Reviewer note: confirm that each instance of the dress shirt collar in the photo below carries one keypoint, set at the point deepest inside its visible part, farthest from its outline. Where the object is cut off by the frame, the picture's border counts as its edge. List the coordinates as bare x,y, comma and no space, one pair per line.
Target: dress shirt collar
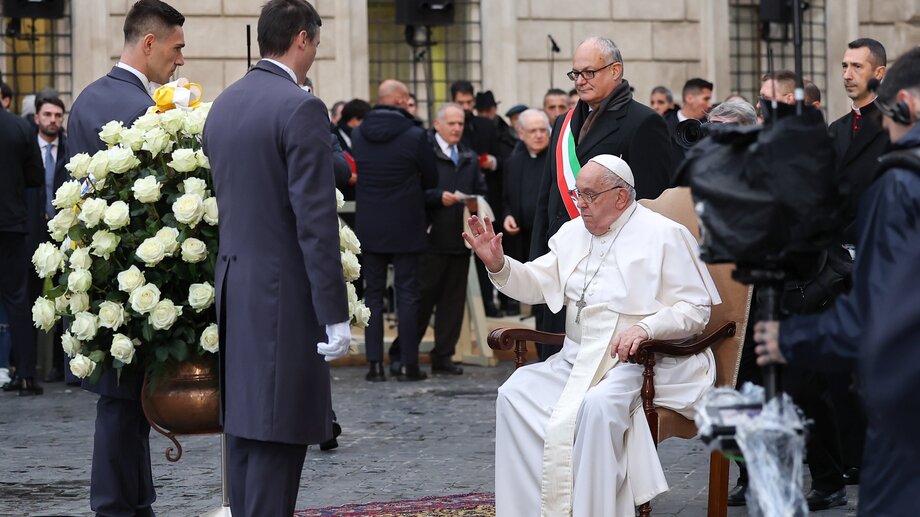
284,67
445,147
149,86
857,108
42,143
680,116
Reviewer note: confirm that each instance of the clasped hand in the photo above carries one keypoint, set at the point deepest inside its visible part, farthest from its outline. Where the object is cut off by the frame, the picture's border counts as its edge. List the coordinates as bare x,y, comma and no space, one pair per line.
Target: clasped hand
626,343
486,244
339,341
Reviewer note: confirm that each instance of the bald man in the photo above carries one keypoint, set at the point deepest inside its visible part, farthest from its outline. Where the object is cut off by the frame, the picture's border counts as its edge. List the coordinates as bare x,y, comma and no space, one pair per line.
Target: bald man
397,166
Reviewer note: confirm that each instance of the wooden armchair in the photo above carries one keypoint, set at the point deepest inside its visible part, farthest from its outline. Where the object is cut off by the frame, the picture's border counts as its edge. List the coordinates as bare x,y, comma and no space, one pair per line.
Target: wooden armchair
724,334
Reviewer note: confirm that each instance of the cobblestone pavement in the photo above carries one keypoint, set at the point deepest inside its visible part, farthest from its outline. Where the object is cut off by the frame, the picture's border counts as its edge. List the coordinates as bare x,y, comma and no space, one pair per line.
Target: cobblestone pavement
401,440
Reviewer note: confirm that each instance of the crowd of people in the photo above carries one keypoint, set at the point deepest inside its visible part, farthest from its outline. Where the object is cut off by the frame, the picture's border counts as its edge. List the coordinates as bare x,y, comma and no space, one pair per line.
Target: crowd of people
543,199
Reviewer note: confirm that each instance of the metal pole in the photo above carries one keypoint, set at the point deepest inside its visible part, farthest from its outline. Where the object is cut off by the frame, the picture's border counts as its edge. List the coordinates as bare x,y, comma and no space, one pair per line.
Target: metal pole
797,46
224,510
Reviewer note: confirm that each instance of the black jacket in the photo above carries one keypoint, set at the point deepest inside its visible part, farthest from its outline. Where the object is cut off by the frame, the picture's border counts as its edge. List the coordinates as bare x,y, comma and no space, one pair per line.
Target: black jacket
857,157
635,133
396,165
37,223
522,186
20,167
444,234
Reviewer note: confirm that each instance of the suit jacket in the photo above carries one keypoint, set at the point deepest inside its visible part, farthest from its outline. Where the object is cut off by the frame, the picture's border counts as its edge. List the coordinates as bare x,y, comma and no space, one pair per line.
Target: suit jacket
20,167
635,133
279,274
444,234
119,95
522,186
396,166
36,198
857,158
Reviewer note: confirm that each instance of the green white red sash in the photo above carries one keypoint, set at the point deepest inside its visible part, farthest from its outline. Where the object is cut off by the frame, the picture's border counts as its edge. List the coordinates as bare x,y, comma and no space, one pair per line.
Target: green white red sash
567,165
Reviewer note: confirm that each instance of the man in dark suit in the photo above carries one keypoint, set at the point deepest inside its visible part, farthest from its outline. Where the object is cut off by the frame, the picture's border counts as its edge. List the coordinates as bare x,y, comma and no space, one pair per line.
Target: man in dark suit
397,166
444,268
522,182
121,482
606,120
20,168
697,97
280,288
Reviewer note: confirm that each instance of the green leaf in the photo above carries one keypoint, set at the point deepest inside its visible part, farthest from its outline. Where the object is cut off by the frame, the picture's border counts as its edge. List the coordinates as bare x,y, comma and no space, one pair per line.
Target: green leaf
76,232
178,350
147,333
96,356
117,364
55,292
162,354
94,377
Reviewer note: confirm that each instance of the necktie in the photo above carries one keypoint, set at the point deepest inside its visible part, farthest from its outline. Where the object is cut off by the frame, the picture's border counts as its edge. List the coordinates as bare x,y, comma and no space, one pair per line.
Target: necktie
49,180
857,122
454,156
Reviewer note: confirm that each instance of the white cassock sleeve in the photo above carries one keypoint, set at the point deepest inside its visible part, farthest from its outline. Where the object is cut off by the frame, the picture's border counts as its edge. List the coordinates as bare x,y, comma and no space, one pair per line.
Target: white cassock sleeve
532,282
686,291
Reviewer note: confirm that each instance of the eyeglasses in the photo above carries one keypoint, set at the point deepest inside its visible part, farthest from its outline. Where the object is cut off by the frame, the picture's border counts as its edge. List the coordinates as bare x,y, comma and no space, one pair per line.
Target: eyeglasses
589,197
587,74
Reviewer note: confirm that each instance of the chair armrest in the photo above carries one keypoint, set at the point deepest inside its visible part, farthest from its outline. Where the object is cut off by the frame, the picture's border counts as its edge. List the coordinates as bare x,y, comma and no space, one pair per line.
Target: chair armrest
684,348
505,338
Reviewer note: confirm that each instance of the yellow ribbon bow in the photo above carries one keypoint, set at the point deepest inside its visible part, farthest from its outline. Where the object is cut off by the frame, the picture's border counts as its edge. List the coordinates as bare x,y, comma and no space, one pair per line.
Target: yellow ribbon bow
177,94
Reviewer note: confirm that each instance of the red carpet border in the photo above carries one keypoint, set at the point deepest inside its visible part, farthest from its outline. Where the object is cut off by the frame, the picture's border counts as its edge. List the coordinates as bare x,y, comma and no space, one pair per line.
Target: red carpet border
460,505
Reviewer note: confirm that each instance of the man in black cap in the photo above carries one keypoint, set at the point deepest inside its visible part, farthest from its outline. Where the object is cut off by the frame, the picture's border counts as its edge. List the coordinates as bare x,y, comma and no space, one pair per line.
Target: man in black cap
513,115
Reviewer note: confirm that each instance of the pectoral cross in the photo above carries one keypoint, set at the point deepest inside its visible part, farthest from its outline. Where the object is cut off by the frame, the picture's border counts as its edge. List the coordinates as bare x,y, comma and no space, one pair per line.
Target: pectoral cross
581,304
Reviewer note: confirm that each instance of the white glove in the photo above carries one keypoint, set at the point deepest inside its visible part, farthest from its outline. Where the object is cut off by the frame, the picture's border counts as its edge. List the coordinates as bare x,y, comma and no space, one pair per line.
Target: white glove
339,340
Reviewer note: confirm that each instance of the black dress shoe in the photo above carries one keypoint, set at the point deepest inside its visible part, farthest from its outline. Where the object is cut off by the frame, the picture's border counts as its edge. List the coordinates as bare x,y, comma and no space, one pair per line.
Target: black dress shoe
395,367
446,368
29,387
375,374
736,496
851,476
55,375
493,312
411,372
13,385
824,499
332,443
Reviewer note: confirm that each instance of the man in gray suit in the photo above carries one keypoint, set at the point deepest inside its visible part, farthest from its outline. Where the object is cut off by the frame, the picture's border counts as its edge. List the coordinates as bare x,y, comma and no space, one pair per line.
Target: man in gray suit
121,482
279,274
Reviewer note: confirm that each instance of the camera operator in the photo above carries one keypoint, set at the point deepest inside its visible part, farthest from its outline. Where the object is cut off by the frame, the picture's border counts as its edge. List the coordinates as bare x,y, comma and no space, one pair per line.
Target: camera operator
874,326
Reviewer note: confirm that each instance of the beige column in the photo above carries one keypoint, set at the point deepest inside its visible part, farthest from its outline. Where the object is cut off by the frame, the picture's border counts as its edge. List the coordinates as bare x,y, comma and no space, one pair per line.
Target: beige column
499,50
714,39
90,43
842,18
351,56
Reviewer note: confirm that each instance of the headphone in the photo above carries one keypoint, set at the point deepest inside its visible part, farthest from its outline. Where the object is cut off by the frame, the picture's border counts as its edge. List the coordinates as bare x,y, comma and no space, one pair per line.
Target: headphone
899,112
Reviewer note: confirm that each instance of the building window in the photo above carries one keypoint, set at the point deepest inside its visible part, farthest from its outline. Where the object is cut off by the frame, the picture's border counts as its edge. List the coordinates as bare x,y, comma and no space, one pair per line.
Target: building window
429,72
748,52
36,54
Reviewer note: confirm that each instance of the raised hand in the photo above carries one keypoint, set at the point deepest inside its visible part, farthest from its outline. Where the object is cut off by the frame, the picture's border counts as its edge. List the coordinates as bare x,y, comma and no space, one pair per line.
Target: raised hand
486,244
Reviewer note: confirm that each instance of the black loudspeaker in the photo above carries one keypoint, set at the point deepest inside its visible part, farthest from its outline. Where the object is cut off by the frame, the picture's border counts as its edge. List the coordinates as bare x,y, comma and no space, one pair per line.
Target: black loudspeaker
776,11
425,12
33,8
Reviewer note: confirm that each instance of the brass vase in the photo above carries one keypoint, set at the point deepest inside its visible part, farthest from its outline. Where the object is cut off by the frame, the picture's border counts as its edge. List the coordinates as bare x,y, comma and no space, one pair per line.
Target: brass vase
185,400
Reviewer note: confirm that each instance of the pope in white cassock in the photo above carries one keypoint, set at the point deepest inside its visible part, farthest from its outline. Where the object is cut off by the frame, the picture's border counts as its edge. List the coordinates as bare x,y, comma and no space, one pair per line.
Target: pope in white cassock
571,436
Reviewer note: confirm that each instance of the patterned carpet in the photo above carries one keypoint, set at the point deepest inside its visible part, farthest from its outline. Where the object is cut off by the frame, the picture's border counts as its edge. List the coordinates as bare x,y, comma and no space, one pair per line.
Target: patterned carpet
460,505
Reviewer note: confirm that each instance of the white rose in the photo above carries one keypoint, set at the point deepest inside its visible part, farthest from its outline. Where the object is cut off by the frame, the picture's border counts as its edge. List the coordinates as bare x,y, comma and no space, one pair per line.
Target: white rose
111,315
79,302
169,236
84,326
156,141
80,258
351,266
172,121
348,240
210,339
194,122
122,348
47,259
117,215
70,344
122,160
79,281
183,160
78,166
61,223
361,315
130,279
195,186
132,138
148,121
147,190
104,243
144,298
194,250
203,160
111,132
99,166
151,251
200,296
67,195
189,209
210,211
339,199
44,314
60,303
82,366
91,211
164,314
351,292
